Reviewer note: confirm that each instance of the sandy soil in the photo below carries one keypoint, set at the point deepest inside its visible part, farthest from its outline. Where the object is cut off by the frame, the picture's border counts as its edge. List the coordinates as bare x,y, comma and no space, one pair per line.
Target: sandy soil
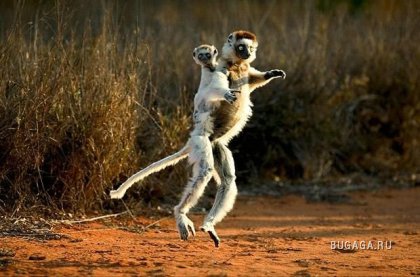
262,236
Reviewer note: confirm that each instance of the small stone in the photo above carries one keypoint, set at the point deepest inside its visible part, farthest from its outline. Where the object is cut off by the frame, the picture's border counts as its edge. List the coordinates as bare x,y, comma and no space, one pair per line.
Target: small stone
37,257
172,245
76,240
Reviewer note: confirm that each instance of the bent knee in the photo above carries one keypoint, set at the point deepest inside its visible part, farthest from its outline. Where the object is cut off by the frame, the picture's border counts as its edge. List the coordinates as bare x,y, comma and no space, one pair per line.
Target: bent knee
230,178
206,167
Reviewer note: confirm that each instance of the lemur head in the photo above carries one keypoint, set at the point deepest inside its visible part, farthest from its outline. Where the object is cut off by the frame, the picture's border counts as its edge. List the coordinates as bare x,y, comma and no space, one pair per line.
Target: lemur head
240,46
205,55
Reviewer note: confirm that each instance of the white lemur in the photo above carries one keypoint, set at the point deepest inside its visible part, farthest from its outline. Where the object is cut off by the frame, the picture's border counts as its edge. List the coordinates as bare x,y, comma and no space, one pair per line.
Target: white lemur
225,120
229,119
214,87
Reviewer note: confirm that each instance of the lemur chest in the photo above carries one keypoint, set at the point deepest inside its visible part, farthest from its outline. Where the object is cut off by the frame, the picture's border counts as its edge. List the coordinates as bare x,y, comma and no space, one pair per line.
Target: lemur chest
238,79
229,115
238,76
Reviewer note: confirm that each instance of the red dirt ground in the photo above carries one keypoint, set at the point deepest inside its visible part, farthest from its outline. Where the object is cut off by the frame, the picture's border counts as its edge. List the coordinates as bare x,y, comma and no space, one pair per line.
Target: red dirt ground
263,236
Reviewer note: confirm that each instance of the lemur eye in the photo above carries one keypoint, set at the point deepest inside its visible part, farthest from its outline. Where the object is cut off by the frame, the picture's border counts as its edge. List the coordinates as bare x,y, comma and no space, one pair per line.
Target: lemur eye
241,47
200,56
208,55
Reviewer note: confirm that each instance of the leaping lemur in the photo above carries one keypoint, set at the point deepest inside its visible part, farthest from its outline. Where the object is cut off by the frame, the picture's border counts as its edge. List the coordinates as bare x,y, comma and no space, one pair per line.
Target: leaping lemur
213,90
229,119
223,120
214,87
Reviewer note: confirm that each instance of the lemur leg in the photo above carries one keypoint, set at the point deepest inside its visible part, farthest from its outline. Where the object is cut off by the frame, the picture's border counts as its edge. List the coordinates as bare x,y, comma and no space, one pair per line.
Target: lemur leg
201,158
226,192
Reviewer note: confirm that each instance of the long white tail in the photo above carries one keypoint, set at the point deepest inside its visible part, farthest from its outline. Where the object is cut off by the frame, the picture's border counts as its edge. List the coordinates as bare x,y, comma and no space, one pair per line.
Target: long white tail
154,167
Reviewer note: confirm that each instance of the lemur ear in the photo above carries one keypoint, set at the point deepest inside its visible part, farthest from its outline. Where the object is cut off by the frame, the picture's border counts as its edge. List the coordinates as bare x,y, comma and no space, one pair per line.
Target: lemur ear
194,53
230,38
215,51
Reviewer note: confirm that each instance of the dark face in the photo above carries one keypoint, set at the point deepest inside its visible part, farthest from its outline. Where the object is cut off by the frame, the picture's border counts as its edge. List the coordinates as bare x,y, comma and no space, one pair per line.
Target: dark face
204,57
242,51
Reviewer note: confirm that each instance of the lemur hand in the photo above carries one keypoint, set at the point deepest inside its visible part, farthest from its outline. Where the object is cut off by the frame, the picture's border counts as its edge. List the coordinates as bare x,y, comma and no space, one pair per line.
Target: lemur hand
275,73
209,228
185,226
230,95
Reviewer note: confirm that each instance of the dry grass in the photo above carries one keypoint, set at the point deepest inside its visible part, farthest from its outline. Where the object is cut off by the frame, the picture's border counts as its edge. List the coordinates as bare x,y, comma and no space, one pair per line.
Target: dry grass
91,92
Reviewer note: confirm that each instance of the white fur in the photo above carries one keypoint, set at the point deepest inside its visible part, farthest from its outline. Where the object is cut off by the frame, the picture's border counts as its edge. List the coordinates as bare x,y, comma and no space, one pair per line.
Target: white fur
201,157
215,89
154,167
224,199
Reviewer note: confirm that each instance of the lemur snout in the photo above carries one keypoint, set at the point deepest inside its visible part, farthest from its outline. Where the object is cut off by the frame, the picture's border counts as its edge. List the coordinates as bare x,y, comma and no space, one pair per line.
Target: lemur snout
245,56
204,57
242,51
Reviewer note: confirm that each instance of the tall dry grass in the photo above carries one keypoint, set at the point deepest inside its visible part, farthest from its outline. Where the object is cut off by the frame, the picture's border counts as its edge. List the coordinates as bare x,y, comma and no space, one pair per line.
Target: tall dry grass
75,111
92,91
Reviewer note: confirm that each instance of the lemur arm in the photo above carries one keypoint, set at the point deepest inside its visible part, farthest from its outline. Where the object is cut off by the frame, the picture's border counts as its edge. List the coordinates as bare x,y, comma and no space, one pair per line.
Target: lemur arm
219,88
258,79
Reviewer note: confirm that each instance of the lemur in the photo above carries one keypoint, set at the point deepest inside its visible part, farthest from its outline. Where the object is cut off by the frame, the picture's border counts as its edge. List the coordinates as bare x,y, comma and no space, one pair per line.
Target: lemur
226,120
229,119
213,90
214,87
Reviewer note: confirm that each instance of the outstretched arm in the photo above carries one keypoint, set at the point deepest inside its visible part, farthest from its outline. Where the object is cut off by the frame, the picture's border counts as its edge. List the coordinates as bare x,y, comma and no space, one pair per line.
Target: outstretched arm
258,78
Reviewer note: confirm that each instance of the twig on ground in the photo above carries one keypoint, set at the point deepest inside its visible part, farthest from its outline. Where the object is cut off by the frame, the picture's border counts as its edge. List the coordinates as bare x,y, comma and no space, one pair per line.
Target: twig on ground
93,218
154,223
128,210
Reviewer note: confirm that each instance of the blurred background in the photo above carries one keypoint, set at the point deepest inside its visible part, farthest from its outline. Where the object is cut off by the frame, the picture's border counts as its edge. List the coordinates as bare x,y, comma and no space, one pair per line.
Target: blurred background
92,91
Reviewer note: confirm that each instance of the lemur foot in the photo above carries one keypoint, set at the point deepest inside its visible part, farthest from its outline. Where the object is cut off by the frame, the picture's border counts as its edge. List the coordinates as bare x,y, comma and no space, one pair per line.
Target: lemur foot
230,95
275,73
185,227
209,228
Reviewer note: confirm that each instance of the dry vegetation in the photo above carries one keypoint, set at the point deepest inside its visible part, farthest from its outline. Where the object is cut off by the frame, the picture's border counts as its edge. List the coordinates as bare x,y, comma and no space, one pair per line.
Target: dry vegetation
92,90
